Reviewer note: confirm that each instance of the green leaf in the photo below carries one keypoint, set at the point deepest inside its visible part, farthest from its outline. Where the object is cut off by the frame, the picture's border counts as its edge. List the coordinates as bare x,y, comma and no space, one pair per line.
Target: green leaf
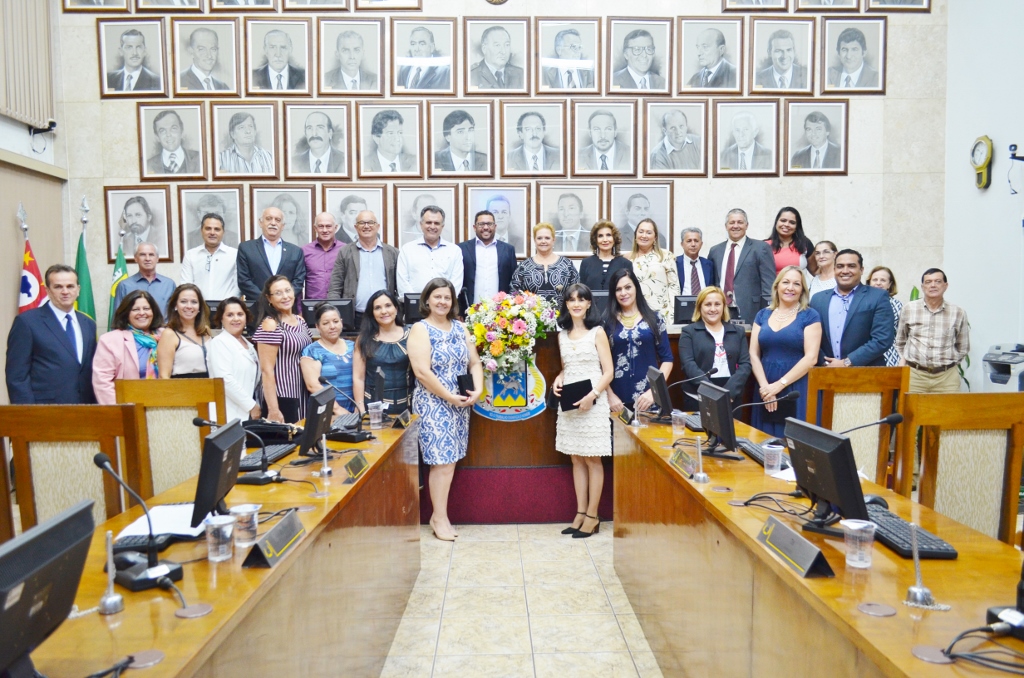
915,294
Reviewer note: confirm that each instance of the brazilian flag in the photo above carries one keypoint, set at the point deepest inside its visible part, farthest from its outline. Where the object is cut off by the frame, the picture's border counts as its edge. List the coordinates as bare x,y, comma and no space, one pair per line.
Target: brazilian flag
120,275
85,304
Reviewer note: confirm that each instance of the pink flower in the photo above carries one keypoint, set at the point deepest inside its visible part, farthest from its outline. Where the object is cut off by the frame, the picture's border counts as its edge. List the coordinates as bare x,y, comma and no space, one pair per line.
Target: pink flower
519,327
491,336
500,296
491,366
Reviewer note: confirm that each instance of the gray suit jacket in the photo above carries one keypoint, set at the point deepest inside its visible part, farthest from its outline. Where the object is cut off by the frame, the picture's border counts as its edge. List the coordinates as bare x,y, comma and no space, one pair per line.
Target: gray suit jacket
406,162
481,76
623,80
753,275
345,274
833,158
766,78
335,79
730,158
724,77
191,83
155,165
432,78
623,160
335,163
516,160
868,77
443,161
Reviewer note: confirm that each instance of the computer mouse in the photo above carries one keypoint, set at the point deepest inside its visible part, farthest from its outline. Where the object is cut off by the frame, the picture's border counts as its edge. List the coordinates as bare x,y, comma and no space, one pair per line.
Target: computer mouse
876,500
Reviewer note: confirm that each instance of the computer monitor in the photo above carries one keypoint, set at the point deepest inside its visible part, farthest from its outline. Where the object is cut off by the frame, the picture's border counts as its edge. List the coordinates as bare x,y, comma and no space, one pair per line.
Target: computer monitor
39,575
734,315
600,302
412,308
319,412
346,308
213,304
716,415
375,382
218,470
685,307
659,389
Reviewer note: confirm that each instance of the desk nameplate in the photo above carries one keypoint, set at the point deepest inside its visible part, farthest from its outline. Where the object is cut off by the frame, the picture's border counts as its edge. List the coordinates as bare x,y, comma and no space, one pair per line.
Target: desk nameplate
278,541
802,556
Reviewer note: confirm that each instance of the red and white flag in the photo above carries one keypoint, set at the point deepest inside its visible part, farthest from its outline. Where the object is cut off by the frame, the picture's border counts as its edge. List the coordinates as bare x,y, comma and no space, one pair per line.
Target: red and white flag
32,294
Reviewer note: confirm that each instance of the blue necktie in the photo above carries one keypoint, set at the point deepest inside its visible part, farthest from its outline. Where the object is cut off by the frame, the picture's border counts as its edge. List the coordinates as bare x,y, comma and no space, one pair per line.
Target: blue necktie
70,330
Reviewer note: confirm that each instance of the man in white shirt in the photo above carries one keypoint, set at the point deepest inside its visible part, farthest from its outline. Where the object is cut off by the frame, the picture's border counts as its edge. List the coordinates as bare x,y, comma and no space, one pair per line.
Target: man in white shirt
820,152
533,154
350,74
388,155
204,48
784,72
853,72
715,70
569,49
459,130
487,263
695,272
212,266
428,257
745,153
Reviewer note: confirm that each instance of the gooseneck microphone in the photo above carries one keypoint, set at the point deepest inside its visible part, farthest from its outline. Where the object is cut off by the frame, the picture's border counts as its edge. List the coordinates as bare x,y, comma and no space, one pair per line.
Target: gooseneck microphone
712,371
891,420
357,436
792,395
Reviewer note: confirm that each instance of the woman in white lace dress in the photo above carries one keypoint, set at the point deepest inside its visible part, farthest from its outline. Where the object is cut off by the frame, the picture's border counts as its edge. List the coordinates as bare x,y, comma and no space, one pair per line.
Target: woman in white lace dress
655,268
582,433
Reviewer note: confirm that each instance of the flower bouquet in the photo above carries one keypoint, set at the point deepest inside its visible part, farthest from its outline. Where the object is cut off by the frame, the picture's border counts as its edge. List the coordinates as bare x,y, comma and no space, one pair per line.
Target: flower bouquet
507,327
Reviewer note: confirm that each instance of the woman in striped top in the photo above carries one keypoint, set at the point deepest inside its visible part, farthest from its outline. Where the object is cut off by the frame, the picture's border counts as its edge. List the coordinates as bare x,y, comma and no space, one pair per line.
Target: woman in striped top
280,339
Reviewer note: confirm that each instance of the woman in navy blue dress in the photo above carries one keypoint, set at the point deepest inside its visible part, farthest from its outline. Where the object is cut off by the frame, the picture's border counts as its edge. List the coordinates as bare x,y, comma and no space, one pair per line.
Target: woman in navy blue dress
784,345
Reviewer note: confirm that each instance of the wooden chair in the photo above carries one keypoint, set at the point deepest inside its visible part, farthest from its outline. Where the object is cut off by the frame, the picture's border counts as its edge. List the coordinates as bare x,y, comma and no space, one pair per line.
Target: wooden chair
971,450
853,396
174,444
53,449
6,511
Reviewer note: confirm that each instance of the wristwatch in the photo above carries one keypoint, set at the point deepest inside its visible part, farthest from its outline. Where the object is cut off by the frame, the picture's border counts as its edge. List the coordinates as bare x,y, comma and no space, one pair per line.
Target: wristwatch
846,362
784,382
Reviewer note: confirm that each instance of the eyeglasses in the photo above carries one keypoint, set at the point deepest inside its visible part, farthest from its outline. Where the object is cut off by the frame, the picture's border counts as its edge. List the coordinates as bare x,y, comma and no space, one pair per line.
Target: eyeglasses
366,223
573,48
637,51
484,223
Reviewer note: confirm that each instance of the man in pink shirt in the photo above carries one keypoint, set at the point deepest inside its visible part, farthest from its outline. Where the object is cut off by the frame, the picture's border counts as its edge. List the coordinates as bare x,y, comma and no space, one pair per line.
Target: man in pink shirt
320,255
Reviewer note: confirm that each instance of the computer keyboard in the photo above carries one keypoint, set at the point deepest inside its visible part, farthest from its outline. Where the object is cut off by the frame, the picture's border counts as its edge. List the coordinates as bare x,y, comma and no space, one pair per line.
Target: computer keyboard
693,423
254,460
756,452
894,533
346,422
140,542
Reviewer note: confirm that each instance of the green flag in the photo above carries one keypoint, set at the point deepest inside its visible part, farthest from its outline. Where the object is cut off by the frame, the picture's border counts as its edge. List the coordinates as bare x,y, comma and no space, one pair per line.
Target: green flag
120,275
85,304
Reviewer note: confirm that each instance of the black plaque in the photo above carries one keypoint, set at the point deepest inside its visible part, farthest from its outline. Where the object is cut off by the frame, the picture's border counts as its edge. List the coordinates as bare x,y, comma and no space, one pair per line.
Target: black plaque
277,542
801,555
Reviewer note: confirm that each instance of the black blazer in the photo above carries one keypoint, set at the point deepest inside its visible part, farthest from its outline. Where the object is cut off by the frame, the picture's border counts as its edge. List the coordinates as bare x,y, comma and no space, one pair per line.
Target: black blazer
42,367
254,268
697,355
592,271
506,267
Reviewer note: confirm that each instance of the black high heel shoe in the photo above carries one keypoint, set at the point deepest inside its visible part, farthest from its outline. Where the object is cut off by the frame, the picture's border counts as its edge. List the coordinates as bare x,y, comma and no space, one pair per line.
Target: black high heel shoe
571,529
580,534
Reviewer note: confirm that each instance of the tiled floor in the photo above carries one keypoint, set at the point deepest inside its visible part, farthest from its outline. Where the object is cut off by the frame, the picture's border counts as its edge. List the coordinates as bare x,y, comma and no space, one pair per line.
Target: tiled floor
519,600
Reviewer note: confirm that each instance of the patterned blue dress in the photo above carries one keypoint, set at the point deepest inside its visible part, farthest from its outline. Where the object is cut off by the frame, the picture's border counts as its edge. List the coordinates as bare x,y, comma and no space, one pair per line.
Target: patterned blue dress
444,429
336,369
780,351
633,351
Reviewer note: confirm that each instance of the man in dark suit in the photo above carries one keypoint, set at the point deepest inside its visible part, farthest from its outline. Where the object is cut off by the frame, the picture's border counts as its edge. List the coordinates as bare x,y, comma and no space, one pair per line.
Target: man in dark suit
487,263
820,151
173,158
857,326
568,46
745,153
494,71
350,75
784,73
269,255
604,153
133,76
421,46
50,348
715,71
533,154
319,155
459,130
852,48
278,73
638,51
388,155
203,47
695,272
745,267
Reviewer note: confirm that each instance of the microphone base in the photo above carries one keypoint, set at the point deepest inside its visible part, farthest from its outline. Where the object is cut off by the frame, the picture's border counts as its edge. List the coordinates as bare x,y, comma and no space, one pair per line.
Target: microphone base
141,577
256,478
349,436
992,616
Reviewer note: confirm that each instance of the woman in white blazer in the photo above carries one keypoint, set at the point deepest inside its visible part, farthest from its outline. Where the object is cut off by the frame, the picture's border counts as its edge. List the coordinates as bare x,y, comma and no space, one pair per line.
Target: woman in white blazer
232,357
128,351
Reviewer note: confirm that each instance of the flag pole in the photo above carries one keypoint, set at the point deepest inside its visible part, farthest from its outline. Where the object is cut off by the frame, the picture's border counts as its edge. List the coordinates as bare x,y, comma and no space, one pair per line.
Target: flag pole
22,218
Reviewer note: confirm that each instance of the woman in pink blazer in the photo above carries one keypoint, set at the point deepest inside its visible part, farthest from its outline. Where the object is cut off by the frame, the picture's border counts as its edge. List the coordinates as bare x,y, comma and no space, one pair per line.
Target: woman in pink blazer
128,350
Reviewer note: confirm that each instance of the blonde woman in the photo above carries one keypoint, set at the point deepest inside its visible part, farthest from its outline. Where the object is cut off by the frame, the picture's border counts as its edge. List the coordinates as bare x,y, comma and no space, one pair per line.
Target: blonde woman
546,274
655,268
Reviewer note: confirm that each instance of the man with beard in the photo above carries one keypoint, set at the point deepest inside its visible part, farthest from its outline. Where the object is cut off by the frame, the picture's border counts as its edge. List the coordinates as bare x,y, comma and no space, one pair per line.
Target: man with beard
137,223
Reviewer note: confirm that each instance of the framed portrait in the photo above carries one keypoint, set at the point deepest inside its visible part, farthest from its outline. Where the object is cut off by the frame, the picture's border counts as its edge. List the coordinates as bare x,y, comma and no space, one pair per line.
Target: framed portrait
278,57
172,141
676,141
497,55
132,58
755,5
410,199
389,139
817,136
423,56
827,5
222,199
605,137
346,201
853,55
245,140
316,5
460,138
351,57
630,202
390,5
568,58
746,137
165,6
244,5
533,138
898,5
510,204
296,203
781,55
205,61
639,55
573,208
95,6
710,55
316,137
137,214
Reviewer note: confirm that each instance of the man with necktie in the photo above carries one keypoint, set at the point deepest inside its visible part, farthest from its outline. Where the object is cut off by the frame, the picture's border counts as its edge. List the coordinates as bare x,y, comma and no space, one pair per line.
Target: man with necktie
638,51
571,75
133,76
459,131
277,73
853,72
317,153
350,74
416,77
204,48
745,267
605,153
532,154
820,151
745,153
784,71
388,155
715,70
172,157
494,71
695,272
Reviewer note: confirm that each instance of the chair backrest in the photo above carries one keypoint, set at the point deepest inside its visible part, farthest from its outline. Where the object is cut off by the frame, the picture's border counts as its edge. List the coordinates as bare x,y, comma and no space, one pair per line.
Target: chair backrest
175,445
853,396
53,466
6,512
971,450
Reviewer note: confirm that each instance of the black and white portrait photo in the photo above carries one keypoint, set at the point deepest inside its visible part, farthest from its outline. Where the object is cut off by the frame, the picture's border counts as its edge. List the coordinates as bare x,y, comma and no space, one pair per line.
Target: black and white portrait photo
510,204
95,5
782,55
278,57
345,202
756,5
172,141
244,5
376,5
410,199
746,142
244,140
195,203
317,5
460,139
163,6
423,56
533,136
676,138
639,55
351,57
136,215
390,140
853,56
295,203
497,55
816,136
710,54
205,61
827,5
569,51
629,203
317,140
605,137
573,209
898,5
132,58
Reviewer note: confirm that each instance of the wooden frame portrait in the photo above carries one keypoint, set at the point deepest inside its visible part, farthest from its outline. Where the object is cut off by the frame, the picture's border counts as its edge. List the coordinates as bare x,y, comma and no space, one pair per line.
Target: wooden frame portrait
410,199
568,46
235,6
493,46
861,56
172,141
278,57
317,135
510,204
781,55
131,54
205,49
423,56
677,136
316,5
222,199
470,131
898,5
755,5
138,211
400,131
168,6
817,136
89,6
390,5
605,127
820,6
710,55
533,127
255,124
572,207
351,50
746,137
644,73
296,202
630,202
346,201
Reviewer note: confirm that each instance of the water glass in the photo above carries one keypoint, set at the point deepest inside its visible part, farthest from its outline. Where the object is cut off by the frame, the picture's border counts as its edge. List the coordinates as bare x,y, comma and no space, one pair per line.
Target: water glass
859,536
218,538
678,424
246,521
376,411
772,458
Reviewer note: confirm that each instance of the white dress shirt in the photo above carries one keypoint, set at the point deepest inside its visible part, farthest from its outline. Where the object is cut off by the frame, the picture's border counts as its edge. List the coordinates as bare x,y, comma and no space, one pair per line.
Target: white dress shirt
854,77
273,251
687,267
385,164
176,156
215,274
274,75
745,157
238,366
203,77
486,285
457,162
62,321
418,264
609,158
530,155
